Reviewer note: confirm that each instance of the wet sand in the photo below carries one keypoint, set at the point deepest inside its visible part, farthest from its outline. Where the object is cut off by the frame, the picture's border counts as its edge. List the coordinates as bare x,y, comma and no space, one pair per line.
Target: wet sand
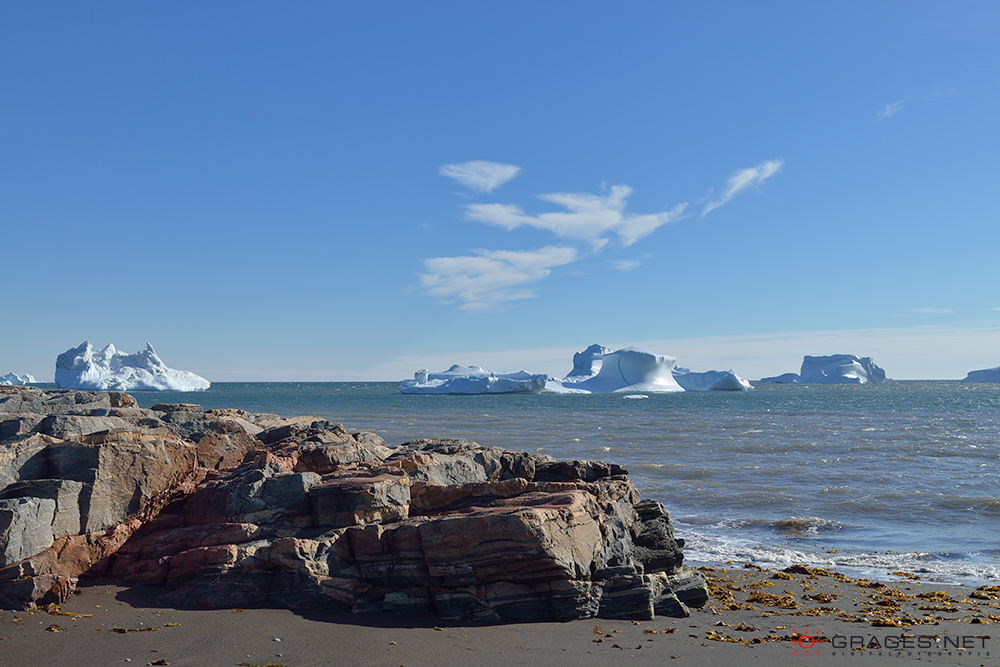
754,617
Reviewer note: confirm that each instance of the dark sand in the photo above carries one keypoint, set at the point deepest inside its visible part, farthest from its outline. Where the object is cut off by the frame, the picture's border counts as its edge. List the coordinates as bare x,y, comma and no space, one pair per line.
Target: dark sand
739,626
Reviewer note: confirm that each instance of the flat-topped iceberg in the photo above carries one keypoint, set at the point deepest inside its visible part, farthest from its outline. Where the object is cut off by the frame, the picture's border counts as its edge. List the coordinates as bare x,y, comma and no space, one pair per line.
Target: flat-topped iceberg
784,378
628,369
710,380
985,375
13,378
596,370
833,369
108,369
472,380
590,362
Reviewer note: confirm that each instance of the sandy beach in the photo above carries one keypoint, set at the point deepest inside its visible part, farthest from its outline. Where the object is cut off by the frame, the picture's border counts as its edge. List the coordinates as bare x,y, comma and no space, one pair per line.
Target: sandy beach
754,617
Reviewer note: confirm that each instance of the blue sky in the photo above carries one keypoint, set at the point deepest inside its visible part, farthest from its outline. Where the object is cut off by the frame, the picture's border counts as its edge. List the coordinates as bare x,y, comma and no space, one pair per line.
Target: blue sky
355,190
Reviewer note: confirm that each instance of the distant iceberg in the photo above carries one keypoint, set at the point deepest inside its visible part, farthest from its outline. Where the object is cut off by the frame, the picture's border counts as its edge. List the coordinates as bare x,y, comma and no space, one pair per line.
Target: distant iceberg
472,380
985,375
13,378
833,369
596,370
710,380
784,378
628,369
107,369
590,362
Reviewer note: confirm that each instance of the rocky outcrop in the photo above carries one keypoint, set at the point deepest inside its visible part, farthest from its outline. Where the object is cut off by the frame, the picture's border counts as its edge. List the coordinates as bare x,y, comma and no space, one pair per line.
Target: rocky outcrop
98,466
227,508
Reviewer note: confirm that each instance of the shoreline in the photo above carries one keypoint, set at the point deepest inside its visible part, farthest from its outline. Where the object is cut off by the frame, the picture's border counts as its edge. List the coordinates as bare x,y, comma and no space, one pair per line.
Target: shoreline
754,615
799,611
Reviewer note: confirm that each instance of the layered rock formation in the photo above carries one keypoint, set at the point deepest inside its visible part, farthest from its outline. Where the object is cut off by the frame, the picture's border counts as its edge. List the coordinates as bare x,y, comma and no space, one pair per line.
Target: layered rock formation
226,508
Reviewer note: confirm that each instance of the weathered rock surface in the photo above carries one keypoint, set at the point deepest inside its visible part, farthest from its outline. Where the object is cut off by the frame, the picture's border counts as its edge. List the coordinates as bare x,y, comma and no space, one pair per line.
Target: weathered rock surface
25,527
225,508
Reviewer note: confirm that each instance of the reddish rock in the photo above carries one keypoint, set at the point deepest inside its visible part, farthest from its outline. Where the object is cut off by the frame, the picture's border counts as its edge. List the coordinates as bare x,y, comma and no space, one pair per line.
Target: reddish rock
227,508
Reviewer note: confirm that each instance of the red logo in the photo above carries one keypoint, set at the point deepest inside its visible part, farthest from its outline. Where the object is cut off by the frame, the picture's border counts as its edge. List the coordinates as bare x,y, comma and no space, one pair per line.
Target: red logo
806,642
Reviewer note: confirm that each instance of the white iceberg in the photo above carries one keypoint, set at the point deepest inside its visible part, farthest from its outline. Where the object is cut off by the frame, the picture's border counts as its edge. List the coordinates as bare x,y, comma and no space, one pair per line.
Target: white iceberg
13,378
985,375
710,380
108,369
587,363
784,378
629,369
833,369
472,380
596,370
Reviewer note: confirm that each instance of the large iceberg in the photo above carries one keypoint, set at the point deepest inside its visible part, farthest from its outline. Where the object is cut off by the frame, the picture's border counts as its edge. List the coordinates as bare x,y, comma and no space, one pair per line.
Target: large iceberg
628,369
833,369
596,370
590,362
472,380
13,378
985,375
108,369
710,380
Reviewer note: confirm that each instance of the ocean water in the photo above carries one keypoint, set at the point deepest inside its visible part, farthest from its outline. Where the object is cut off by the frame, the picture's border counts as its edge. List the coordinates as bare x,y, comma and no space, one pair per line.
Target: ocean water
867,479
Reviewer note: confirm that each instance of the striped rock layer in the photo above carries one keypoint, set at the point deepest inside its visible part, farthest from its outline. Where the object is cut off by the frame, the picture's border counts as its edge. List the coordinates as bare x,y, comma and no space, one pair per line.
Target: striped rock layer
225,508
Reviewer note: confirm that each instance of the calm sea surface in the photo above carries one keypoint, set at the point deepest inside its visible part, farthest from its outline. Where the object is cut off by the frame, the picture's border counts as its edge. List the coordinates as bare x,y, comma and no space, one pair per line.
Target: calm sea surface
867,479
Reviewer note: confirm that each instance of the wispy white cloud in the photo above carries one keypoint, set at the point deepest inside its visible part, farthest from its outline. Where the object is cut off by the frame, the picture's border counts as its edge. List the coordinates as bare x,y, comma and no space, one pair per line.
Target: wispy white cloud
890,110
938,93
480,175
587,217
491,277
742,180
933,311
625,264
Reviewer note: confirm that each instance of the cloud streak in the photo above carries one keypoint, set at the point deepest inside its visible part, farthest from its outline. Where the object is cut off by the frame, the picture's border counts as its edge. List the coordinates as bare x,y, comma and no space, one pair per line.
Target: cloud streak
480,175
587,217
624,265
491,277
742,180
590,222
890,110
933,311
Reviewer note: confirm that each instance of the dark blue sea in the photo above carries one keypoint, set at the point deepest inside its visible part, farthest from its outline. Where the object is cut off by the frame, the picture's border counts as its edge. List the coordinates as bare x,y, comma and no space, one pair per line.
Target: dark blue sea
867,479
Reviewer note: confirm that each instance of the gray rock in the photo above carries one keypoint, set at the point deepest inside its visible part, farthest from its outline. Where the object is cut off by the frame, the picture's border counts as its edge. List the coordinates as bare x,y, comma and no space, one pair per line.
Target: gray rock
125,473
448,461
25,527
689,587
25,458
653,537
255,495
18,425
360,499
65,493
70,426
569,471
